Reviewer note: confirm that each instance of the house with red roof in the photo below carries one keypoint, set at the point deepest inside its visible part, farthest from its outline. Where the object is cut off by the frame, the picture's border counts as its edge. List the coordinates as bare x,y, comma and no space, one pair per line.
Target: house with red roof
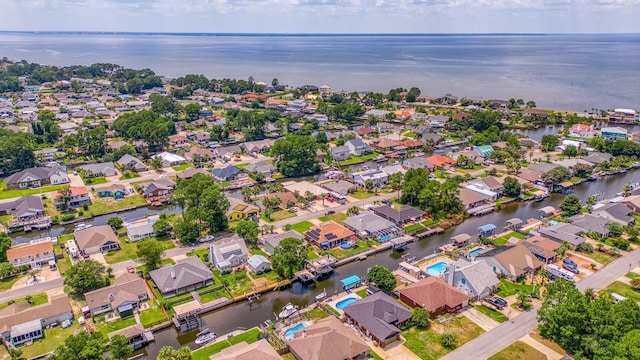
441,161
435,296
78,196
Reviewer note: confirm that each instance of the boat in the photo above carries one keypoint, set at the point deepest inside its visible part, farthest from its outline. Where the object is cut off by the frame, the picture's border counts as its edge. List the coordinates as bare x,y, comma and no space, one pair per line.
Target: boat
322,295
287,311
379,158
81,226
205,337
362,257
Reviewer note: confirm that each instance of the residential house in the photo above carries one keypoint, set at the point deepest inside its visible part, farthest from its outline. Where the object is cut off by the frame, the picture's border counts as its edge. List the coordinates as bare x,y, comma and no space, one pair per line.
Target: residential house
441,161
169,159
125,295
116,191
185,275
36,177
228,254
471,199
79,196
378,177
329,234
480,189
358,147
484,150
99,169
240,210
131,162
199,154
379,317
260,349
261,167
97,239
418,163
368,225
258,264
34,255
489,183
157,191
229,173
23,210
270,242
476,278
136,335
513,262
435,296
564,233
386,127
141,229
404,215
178,141
597,157
438,121
328,339
615,212
20,322
191,172
364,131
258,146
384,144
582,131
228,152
377,113
613,133
340,153
590,223
391,170
543,248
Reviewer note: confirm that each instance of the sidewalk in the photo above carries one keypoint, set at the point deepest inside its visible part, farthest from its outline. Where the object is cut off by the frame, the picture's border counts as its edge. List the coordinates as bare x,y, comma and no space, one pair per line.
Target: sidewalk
486,323
549,353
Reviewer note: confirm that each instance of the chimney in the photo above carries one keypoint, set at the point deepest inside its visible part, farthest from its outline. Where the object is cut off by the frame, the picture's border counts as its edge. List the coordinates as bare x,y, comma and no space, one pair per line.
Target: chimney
111,298
304,334
173,274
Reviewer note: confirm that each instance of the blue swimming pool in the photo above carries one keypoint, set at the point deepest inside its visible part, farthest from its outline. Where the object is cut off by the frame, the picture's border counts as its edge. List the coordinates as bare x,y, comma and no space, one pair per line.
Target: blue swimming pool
475,252
345,245
437,268
290,333
385,237
344,302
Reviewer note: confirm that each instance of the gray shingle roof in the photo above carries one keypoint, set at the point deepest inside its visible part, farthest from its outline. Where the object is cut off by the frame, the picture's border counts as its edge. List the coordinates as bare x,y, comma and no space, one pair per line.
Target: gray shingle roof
184,273
378,313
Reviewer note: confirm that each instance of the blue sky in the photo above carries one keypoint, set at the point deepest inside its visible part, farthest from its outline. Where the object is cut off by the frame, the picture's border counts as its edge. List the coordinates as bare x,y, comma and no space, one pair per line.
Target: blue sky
324,16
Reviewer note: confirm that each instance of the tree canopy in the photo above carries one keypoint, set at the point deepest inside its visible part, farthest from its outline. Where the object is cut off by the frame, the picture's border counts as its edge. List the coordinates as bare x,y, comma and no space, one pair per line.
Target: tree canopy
571,205
438,199
295,155
82,346
147,126
382,277
85,276
248,230
149,251
512,187
203,201
289,257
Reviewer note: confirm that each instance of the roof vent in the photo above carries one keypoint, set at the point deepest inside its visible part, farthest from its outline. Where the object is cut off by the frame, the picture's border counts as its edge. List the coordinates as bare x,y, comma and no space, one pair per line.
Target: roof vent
173,274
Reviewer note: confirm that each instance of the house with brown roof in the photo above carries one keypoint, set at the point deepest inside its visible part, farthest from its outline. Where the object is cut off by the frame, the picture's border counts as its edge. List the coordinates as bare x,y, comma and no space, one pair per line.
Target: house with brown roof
34,255
543,248
385,144
260,349
364,131
197,153
126,294
178,140
471,199
435,296
97,239
329,234
328,339
441,161
513,262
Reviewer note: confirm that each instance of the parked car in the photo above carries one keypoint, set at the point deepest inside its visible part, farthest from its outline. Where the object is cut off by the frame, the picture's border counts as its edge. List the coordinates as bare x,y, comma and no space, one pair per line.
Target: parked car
131,269
330,212
497,302
569,262
293,209
207,239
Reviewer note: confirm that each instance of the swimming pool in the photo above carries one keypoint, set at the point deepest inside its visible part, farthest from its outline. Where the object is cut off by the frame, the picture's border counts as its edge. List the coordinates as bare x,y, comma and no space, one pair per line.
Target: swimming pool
437,268
290,333
475,252
346,301
385,237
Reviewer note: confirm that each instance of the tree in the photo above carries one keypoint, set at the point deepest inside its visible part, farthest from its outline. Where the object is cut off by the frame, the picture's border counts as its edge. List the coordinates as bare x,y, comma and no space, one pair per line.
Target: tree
556,175
353,210
448,341
635,283
5,244
85,276
119,348
274,82
524,300
615,229
289,257
115,222
156,163
421,317
186,231
571,205
531,104
203,201
295,155
82,346
192,111
382,277
149,251
248,230
7,270
570,151
15,353
169,353
512,187
582,170
161,227
548,142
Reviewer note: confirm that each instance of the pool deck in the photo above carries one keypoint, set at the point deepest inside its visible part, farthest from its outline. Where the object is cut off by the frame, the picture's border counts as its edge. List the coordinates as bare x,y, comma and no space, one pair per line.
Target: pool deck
434,260
283,333
337,299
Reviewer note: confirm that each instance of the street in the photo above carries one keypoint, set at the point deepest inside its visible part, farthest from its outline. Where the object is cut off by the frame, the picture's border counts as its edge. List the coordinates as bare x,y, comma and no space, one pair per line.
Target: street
30,290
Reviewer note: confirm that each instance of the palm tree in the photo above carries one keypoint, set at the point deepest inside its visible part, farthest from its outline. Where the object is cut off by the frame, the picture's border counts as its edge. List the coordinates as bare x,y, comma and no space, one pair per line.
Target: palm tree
323,196
626,190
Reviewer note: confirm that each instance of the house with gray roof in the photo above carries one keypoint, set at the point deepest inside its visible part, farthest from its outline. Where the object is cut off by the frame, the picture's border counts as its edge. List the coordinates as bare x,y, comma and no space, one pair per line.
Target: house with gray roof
542,167
418,163
617,212
476,279
358,147
229,173
258,264
590,223
564,232
513,262
186,275
262,167
368,225
270,242
228,254
341,187
340,153
24,209
126,293
131,162
597,157
399,217
36,177
99,169
97,239
379,316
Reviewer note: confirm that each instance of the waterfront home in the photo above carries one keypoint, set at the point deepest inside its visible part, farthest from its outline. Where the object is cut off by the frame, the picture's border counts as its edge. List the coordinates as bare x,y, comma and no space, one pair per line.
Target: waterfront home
20,322
442,162
597,157
404,215
393,169
472,199
271,241
615,212
156,191
613,133
564,233
489,183
358,147
169,159
418,163
228,254
329,234
483,150
116,191
240,210
340,153
435,296
99,169
475,278
97,239
589,223
384,144
480,189
328,339
23,209
342,188
513,262
136,335
34,255
130,162
37,177
260,349
632,202
543,248
303,186
79,196
229,173
378,177
141,229
368,225
261,167
438,121
379,317
186,275
582,131
125,295
258,264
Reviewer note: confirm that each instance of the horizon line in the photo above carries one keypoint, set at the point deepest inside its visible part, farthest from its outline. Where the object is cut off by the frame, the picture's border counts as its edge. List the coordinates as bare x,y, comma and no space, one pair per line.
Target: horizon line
187,33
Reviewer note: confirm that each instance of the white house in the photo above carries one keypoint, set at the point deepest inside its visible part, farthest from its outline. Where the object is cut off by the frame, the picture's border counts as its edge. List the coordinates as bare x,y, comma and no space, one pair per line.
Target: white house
358,147
170,159
141,229
378,177
229,254
258,263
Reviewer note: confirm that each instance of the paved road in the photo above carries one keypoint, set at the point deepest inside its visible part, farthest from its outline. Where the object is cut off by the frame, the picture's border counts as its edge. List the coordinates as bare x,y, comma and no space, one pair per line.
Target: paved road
30,290
495,340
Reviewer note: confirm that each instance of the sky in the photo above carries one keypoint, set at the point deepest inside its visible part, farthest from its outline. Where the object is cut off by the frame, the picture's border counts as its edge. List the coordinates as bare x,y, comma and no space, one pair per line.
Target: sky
324,16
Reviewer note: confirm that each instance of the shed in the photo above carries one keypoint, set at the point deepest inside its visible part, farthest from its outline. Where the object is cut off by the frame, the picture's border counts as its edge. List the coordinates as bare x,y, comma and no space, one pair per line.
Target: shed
461,239
547,211
350,282
487,229
514,223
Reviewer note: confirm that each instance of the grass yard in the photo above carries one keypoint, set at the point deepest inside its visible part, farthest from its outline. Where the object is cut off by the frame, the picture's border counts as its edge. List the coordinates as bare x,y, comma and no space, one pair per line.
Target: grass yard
426,343
358,159
36,299
495,315
507,288
340,253
302,227
414,228
163,262
333,310
311,255
8,194
7,284
152,316
622,289
241,166
182,167
429,222
316,314
278,215
546,342
129,175
107,327
519,351
361,194
52,338
374,356
237,283
505,238
199,253
362,293
254,250
213,295
337,217
249,336
105,205
128,251
632,275
94,180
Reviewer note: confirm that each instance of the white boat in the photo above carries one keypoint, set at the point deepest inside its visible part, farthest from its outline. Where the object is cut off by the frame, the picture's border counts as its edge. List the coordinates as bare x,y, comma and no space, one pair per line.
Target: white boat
322,295
287,311
206,337
82,226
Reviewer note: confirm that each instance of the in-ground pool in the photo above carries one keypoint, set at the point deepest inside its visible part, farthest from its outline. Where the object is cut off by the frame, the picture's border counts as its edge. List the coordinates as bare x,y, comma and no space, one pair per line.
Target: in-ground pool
385,237
346,301
475,252
437,268
290,333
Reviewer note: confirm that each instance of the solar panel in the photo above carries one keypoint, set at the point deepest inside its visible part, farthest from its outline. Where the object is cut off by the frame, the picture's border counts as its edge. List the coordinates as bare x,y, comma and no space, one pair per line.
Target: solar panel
330,236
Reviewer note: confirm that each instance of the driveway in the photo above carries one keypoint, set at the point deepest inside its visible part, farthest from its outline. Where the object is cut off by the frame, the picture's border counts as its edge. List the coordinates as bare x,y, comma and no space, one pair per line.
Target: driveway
486,323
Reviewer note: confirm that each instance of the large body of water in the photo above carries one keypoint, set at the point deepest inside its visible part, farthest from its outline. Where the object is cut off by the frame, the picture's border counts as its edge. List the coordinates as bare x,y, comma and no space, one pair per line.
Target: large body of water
569,72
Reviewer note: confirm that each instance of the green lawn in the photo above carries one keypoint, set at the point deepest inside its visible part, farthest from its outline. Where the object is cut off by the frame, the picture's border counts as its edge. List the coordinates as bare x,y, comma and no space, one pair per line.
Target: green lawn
507,288
213,295
143,268
128,250
278,215
8,194
107,327
53,337
337,217
622,289
361,194
7,284
311,255
199,253
414,228
428,222
519,351
241,166
105,205
505,238
302,227
632,275
36,299
249,336
362,293
600,257
374,356
181,167
129,175
426,343
94,180
333,310
316,314
340,253
152,316
65,238
238,283
358,159
495,315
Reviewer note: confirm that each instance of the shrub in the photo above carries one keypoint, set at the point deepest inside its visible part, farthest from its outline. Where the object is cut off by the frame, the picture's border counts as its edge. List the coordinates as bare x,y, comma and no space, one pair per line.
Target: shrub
68,217
85,207
635,283
621,244
448,341
585,247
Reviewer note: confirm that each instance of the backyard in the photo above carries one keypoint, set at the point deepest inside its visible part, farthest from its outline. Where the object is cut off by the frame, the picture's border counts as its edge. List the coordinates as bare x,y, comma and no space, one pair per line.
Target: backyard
519,351
358,159
128,250
53,337
426,343
36,299
249,336
505,238
302,227
8,194
508,288
106,205
89,181
238,283
152,316
340,253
